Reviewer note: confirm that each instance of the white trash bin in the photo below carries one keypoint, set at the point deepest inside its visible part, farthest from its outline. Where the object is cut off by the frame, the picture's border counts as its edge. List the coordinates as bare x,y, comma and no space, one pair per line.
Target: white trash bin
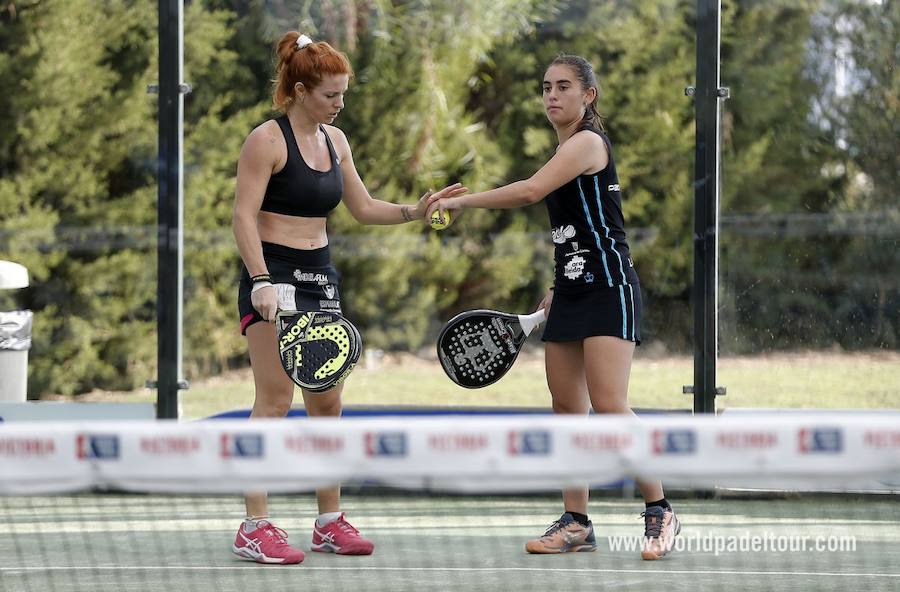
15,337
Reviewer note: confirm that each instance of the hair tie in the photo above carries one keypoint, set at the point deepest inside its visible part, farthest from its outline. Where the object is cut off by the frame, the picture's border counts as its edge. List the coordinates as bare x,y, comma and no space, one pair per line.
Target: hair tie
303,41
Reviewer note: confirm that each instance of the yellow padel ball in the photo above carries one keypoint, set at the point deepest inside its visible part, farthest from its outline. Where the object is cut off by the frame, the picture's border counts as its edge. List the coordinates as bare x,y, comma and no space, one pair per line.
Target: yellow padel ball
436,220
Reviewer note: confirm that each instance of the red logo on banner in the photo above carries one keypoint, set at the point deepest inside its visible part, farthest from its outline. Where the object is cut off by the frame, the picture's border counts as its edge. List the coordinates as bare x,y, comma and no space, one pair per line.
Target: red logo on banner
170,445
27,447
882,439
452,442
594,442
747,440
314,443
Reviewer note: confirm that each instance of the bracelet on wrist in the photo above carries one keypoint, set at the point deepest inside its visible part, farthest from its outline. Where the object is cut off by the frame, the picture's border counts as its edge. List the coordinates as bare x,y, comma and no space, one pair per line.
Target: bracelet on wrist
404,211
263,277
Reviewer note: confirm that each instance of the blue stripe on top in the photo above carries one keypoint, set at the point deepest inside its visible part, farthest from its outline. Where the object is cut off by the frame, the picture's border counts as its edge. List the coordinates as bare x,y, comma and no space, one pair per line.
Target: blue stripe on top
590,221
612,241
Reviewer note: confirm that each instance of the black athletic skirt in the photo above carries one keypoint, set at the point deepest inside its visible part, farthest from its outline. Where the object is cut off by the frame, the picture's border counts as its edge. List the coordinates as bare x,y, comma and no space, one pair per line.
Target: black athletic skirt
614,311
304,280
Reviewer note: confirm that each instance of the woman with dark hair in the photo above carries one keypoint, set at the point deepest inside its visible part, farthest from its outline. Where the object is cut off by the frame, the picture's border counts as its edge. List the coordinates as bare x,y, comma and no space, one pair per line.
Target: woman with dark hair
594,307
292,172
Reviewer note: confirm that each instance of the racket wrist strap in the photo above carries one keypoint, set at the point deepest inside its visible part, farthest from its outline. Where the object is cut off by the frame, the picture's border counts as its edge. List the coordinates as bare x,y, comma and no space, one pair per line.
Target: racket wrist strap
259,285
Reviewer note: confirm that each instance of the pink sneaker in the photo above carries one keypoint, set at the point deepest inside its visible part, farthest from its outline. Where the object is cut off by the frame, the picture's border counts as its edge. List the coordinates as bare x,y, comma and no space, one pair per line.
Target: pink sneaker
341,537
266,544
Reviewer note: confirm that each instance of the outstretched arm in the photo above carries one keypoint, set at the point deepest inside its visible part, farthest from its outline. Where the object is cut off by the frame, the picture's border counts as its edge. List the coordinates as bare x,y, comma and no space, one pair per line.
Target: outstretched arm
582,153
369,210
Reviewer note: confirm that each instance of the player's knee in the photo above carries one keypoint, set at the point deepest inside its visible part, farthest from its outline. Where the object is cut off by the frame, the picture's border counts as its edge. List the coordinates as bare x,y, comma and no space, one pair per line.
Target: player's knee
566,407
612,405
323,407
273,404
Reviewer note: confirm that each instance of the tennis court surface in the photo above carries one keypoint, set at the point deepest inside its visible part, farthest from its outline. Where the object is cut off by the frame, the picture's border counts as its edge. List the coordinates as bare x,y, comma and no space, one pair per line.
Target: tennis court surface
430,542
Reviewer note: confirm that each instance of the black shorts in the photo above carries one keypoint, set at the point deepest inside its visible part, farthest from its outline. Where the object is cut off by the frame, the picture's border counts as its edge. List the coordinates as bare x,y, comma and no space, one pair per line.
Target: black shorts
304,280
614,311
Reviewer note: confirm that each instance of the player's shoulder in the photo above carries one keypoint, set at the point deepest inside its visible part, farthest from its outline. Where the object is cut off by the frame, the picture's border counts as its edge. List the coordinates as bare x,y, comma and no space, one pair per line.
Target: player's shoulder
586,139
591,135
267,132
265,142
338,139
335,133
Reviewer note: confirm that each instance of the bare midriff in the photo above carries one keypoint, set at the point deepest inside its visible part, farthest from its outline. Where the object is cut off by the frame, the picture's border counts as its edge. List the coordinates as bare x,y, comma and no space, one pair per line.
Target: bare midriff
295,232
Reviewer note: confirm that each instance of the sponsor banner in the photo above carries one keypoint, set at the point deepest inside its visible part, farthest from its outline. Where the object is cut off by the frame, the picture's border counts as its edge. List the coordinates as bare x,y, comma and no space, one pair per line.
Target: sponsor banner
512,453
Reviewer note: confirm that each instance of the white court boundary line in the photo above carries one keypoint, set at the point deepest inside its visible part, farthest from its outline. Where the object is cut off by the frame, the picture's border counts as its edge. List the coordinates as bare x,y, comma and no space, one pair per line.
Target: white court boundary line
462,569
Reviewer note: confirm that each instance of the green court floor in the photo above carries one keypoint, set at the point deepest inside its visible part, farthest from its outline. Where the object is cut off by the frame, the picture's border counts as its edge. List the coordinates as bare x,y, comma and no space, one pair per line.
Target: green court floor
443,543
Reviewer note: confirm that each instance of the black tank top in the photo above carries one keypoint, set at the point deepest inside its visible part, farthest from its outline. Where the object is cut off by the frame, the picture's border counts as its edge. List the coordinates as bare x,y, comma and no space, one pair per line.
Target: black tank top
588,231
297,189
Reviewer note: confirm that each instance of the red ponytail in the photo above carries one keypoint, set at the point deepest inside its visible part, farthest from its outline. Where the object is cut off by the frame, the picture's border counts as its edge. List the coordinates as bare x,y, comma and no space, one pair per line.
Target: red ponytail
307,65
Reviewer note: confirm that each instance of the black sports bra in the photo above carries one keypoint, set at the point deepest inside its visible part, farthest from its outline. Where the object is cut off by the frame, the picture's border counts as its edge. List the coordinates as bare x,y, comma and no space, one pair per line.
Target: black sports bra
297,189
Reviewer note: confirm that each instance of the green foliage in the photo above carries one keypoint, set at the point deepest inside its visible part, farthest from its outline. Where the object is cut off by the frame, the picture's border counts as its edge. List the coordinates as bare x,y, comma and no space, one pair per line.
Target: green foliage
810,131
449,91
80,130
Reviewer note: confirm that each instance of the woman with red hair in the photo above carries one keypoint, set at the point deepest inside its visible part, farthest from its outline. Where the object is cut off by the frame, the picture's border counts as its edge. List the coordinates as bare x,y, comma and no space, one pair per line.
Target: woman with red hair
292,172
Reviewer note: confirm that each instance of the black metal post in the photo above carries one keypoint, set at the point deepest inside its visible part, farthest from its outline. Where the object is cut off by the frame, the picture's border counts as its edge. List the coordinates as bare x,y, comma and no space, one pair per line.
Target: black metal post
169,210
706,205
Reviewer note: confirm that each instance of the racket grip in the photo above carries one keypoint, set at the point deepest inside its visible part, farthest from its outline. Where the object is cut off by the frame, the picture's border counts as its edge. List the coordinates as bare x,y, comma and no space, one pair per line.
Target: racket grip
529,322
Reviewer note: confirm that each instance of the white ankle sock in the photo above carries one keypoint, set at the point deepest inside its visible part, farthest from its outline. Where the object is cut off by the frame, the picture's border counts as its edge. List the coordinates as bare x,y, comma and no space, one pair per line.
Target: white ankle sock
251,523
327,517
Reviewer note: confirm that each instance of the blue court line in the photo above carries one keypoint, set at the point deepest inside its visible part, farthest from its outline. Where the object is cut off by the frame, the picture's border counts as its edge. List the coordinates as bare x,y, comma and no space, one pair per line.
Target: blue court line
399,411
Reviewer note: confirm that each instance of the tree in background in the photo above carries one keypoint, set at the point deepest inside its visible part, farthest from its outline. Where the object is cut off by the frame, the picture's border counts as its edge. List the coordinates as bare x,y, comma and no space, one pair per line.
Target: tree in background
78,144
448,91
78,193
804,235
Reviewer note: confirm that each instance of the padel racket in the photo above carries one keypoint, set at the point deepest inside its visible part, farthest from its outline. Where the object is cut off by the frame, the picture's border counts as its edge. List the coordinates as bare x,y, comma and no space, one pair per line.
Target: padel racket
476,348
318,350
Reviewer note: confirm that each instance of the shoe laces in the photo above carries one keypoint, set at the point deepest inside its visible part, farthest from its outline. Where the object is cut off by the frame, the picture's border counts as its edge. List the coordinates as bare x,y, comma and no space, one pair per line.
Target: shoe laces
556,527
346,526
553,528
274,533
653,521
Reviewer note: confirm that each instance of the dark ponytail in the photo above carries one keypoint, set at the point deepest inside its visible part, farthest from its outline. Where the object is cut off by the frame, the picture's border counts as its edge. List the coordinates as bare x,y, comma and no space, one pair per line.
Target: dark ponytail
584,71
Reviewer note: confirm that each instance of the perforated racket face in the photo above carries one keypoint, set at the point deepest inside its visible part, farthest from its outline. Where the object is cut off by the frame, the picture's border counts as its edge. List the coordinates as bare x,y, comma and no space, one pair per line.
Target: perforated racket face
477,348
318,349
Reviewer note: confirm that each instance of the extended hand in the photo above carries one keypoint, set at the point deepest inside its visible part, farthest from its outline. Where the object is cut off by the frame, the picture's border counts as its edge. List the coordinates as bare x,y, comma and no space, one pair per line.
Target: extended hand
443,199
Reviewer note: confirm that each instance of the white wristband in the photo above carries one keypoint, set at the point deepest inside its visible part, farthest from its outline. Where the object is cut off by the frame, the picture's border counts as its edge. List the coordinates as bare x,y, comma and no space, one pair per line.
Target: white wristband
260,286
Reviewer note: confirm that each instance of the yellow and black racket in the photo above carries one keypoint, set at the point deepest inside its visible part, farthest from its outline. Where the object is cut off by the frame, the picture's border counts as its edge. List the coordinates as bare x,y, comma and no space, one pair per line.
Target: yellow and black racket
318,350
